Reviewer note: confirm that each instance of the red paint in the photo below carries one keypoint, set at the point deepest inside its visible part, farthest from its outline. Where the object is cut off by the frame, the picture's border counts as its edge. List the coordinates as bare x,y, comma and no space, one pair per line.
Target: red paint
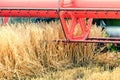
76,10
5,20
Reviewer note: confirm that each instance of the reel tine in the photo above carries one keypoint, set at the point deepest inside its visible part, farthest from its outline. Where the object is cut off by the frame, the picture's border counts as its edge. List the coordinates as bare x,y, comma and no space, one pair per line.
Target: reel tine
76,43
85,43
5,20
105,44
115,44
96,44
65,42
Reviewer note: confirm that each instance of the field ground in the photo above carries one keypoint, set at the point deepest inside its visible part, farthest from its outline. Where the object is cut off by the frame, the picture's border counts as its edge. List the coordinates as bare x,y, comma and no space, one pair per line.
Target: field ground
28,53
82,73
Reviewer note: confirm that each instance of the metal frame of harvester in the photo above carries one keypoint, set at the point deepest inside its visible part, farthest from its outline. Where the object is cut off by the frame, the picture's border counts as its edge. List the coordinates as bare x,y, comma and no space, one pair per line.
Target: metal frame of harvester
76,10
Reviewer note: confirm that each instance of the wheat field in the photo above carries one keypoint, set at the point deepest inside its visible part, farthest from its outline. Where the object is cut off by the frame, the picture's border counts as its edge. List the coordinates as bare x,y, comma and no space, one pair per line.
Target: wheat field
28,52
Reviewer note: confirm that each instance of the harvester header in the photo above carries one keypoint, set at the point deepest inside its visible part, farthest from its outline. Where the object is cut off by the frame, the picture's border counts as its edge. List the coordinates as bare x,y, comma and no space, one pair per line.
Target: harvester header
50,8
76,10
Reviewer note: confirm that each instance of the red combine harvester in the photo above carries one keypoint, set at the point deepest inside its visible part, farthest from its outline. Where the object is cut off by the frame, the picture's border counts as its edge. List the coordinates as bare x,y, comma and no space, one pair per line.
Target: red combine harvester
76,10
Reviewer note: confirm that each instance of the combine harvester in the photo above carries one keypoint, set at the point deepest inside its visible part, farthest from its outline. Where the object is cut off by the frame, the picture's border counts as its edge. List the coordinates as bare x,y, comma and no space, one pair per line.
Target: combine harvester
75,10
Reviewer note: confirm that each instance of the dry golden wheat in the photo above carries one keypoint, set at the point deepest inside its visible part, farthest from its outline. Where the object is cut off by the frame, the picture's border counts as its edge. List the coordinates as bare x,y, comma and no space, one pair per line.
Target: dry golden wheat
27,50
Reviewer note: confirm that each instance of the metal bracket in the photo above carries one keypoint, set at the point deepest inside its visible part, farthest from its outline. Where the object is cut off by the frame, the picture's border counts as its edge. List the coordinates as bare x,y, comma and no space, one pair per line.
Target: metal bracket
69,30
5,20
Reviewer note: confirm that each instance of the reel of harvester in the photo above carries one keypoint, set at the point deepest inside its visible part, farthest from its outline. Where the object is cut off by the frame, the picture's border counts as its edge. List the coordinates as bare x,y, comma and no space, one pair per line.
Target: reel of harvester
75,10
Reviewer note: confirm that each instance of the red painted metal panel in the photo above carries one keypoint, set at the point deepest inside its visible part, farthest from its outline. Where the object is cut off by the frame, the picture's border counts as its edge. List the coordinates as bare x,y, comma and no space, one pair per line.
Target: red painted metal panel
103,5
54,13
28,3
54,3
29,13
97,3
